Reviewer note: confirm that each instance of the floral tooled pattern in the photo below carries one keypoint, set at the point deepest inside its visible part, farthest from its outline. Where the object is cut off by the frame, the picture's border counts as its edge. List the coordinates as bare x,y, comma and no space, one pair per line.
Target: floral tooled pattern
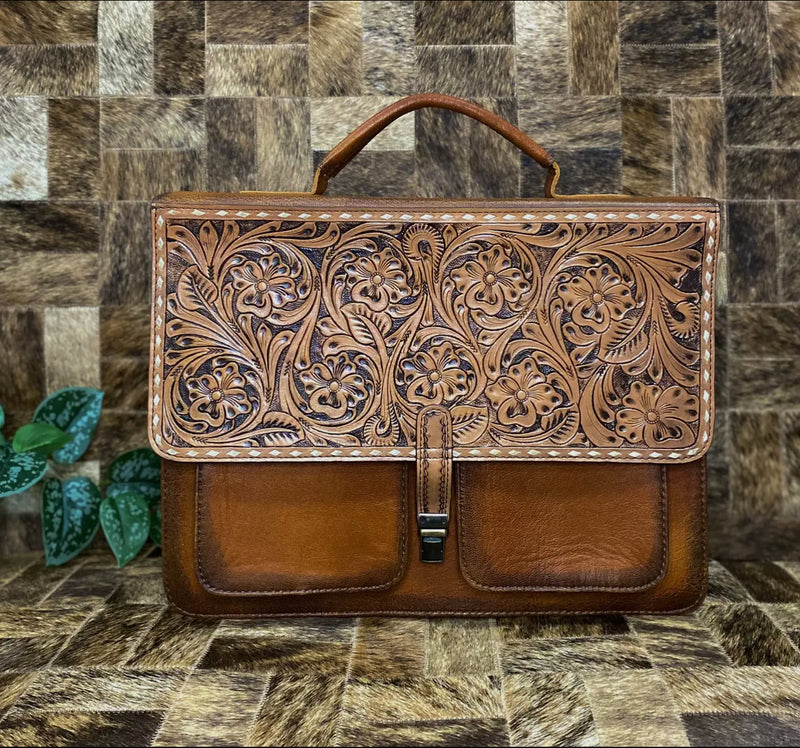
597,298
321,334
377,280
490,281
219,396
263,285
523,395
657,417
333,386
435,376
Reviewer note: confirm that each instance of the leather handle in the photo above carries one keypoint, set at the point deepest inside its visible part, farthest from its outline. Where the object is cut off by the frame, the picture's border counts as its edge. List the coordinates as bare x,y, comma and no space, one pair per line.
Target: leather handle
344,151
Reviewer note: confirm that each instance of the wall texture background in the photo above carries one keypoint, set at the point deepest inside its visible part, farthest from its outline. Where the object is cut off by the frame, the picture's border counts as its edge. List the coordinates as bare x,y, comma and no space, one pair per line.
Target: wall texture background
103,105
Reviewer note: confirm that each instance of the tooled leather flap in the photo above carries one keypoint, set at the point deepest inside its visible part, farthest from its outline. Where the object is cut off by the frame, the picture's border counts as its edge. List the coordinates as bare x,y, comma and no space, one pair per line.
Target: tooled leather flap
550,330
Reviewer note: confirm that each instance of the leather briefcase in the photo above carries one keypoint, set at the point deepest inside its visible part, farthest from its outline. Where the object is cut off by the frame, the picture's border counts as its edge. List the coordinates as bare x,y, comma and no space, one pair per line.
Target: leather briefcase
372,406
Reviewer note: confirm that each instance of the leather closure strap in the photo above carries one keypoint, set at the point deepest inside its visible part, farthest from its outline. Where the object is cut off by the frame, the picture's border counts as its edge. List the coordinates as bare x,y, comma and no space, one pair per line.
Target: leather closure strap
434,480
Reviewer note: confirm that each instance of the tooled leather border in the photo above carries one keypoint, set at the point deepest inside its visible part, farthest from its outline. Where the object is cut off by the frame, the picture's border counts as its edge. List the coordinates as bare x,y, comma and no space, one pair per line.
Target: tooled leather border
465,556
710,216
200,535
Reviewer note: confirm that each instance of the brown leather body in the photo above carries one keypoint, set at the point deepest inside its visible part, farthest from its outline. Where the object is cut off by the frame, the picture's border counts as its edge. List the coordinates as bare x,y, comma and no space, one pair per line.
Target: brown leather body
399,406
267,540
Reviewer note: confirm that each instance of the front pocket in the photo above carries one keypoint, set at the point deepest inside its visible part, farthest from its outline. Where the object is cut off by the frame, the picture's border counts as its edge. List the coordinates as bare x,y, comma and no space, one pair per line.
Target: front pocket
300,528
540,526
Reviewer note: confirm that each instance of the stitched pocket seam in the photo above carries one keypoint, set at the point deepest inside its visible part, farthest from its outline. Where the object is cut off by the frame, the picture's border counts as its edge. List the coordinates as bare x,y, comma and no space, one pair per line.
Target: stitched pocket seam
201,535
466,557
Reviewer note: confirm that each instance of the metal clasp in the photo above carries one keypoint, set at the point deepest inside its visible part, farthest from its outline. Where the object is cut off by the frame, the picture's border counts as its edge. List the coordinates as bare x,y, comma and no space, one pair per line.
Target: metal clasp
432,534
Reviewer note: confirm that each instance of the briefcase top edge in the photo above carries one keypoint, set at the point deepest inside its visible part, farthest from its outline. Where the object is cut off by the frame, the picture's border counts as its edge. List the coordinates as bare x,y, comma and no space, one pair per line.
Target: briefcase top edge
303,199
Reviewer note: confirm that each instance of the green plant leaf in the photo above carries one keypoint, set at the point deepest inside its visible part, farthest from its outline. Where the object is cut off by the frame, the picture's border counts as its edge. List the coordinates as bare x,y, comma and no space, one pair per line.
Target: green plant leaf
19,471
75,410
155,526
150,491
2,423
137,465
126,522
70,517
137,471
41,438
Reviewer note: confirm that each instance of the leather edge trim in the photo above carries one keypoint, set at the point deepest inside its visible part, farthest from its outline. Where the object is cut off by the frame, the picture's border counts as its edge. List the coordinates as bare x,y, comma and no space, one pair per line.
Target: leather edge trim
207,584
257,198
464,554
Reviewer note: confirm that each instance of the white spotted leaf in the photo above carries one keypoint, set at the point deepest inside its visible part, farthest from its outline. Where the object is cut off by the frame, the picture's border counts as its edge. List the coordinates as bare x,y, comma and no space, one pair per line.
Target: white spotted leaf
19,471
126,522
75,410
155,526
137,471
70,517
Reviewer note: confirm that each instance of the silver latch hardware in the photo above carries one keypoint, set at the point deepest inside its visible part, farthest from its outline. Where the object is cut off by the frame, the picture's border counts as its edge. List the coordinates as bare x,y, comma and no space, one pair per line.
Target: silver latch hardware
432,534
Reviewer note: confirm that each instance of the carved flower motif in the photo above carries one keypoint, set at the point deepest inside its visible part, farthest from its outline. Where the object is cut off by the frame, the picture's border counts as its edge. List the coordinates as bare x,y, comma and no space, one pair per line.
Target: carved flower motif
333,386
435,376
597,298
219,396
522,395
490,281
263,285
657,417
378,280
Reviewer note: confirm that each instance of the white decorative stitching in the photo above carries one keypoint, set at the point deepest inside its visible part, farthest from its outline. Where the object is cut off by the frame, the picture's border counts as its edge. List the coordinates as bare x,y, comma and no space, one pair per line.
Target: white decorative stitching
409,452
